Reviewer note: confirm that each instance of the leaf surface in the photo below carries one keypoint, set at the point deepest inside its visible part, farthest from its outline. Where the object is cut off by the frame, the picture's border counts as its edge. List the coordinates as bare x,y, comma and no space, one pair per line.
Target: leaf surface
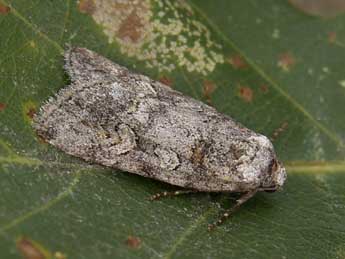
265,64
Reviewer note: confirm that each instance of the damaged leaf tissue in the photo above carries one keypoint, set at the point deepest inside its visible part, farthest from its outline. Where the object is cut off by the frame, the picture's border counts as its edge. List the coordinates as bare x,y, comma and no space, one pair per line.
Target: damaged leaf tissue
120,119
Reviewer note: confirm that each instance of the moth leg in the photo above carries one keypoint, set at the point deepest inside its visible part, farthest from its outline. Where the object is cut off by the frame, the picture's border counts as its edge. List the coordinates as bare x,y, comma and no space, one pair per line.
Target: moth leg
157,196
245,197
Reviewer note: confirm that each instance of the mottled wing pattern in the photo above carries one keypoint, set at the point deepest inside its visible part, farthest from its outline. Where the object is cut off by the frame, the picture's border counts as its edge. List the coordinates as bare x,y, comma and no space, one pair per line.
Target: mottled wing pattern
111,116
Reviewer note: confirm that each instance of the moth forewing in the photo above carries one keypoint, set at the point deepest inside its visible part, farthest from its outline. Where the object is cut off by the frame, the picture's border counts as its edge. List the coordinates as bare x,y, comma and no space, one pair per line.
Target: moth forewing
111,116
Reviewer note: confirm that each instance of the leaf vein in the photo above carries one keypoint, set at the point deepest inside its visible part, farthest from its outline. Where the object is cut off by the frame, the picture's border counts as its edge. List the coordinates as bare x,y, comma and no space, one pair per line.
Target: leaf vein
32,26
62,195
186,233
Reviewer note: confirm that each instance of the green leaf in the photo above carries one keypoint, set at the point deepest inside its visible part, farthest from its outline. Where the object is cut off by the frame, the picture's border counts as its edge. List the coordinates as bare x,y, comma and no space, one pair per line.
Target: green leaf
264,63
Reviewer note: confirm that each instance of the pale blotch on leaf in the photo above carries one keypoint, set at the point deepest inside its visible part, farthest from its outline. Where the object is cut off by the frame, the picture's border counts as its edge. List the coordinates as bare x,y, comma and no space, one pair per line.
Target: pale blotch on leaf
32,44
59,255
340,252
323,8
276,34
326,70
165,39
342,83
286,61
258,20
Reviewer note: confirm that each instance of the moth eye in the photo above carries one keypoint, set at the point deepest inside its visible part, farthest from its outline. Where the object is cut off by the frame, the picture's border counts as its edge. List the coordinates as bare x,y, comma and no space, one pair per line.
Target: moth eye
273,166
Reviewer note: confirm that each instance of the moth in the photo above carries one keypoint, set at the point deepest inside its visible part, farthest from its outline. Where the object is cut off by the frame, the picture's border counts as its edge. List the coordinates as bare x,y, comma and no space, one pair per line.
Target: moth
120,119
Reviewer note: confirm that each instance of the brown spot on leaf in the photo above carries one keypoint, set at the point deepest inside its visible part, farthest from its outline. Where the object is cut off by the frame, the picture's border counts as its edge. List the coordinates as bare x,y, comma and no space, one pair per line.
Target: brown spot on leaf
133,242
332,37
208,89
87,6
2,106
237,62
4,9
286,61
166,80
264,88
246,93
29,249
323,8
131,28
31,112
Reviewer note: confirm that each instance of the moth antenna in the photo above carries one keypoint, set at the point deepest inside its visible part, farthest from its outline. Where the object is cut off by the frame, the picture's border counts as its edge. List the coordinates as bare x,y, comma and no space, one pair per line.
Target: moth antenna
279,130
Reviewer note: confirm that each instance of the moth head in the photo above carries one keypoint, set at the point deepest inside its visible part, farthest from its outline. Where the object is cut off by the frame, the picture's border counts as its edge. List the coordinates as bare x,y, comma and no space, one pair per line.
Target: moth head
272,173
276,176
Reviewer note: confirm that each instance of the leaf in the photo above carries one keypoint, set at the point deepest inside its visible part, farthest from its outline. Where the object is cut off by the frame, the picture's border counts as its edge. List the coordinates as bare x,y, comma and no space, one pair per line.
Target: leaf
266,65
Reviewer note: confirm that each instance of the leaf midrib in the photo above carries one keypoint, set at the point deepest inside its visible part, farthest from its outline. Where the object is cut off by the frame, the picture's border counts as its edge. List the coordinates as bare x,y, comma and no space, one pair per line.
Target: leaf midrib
292,166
